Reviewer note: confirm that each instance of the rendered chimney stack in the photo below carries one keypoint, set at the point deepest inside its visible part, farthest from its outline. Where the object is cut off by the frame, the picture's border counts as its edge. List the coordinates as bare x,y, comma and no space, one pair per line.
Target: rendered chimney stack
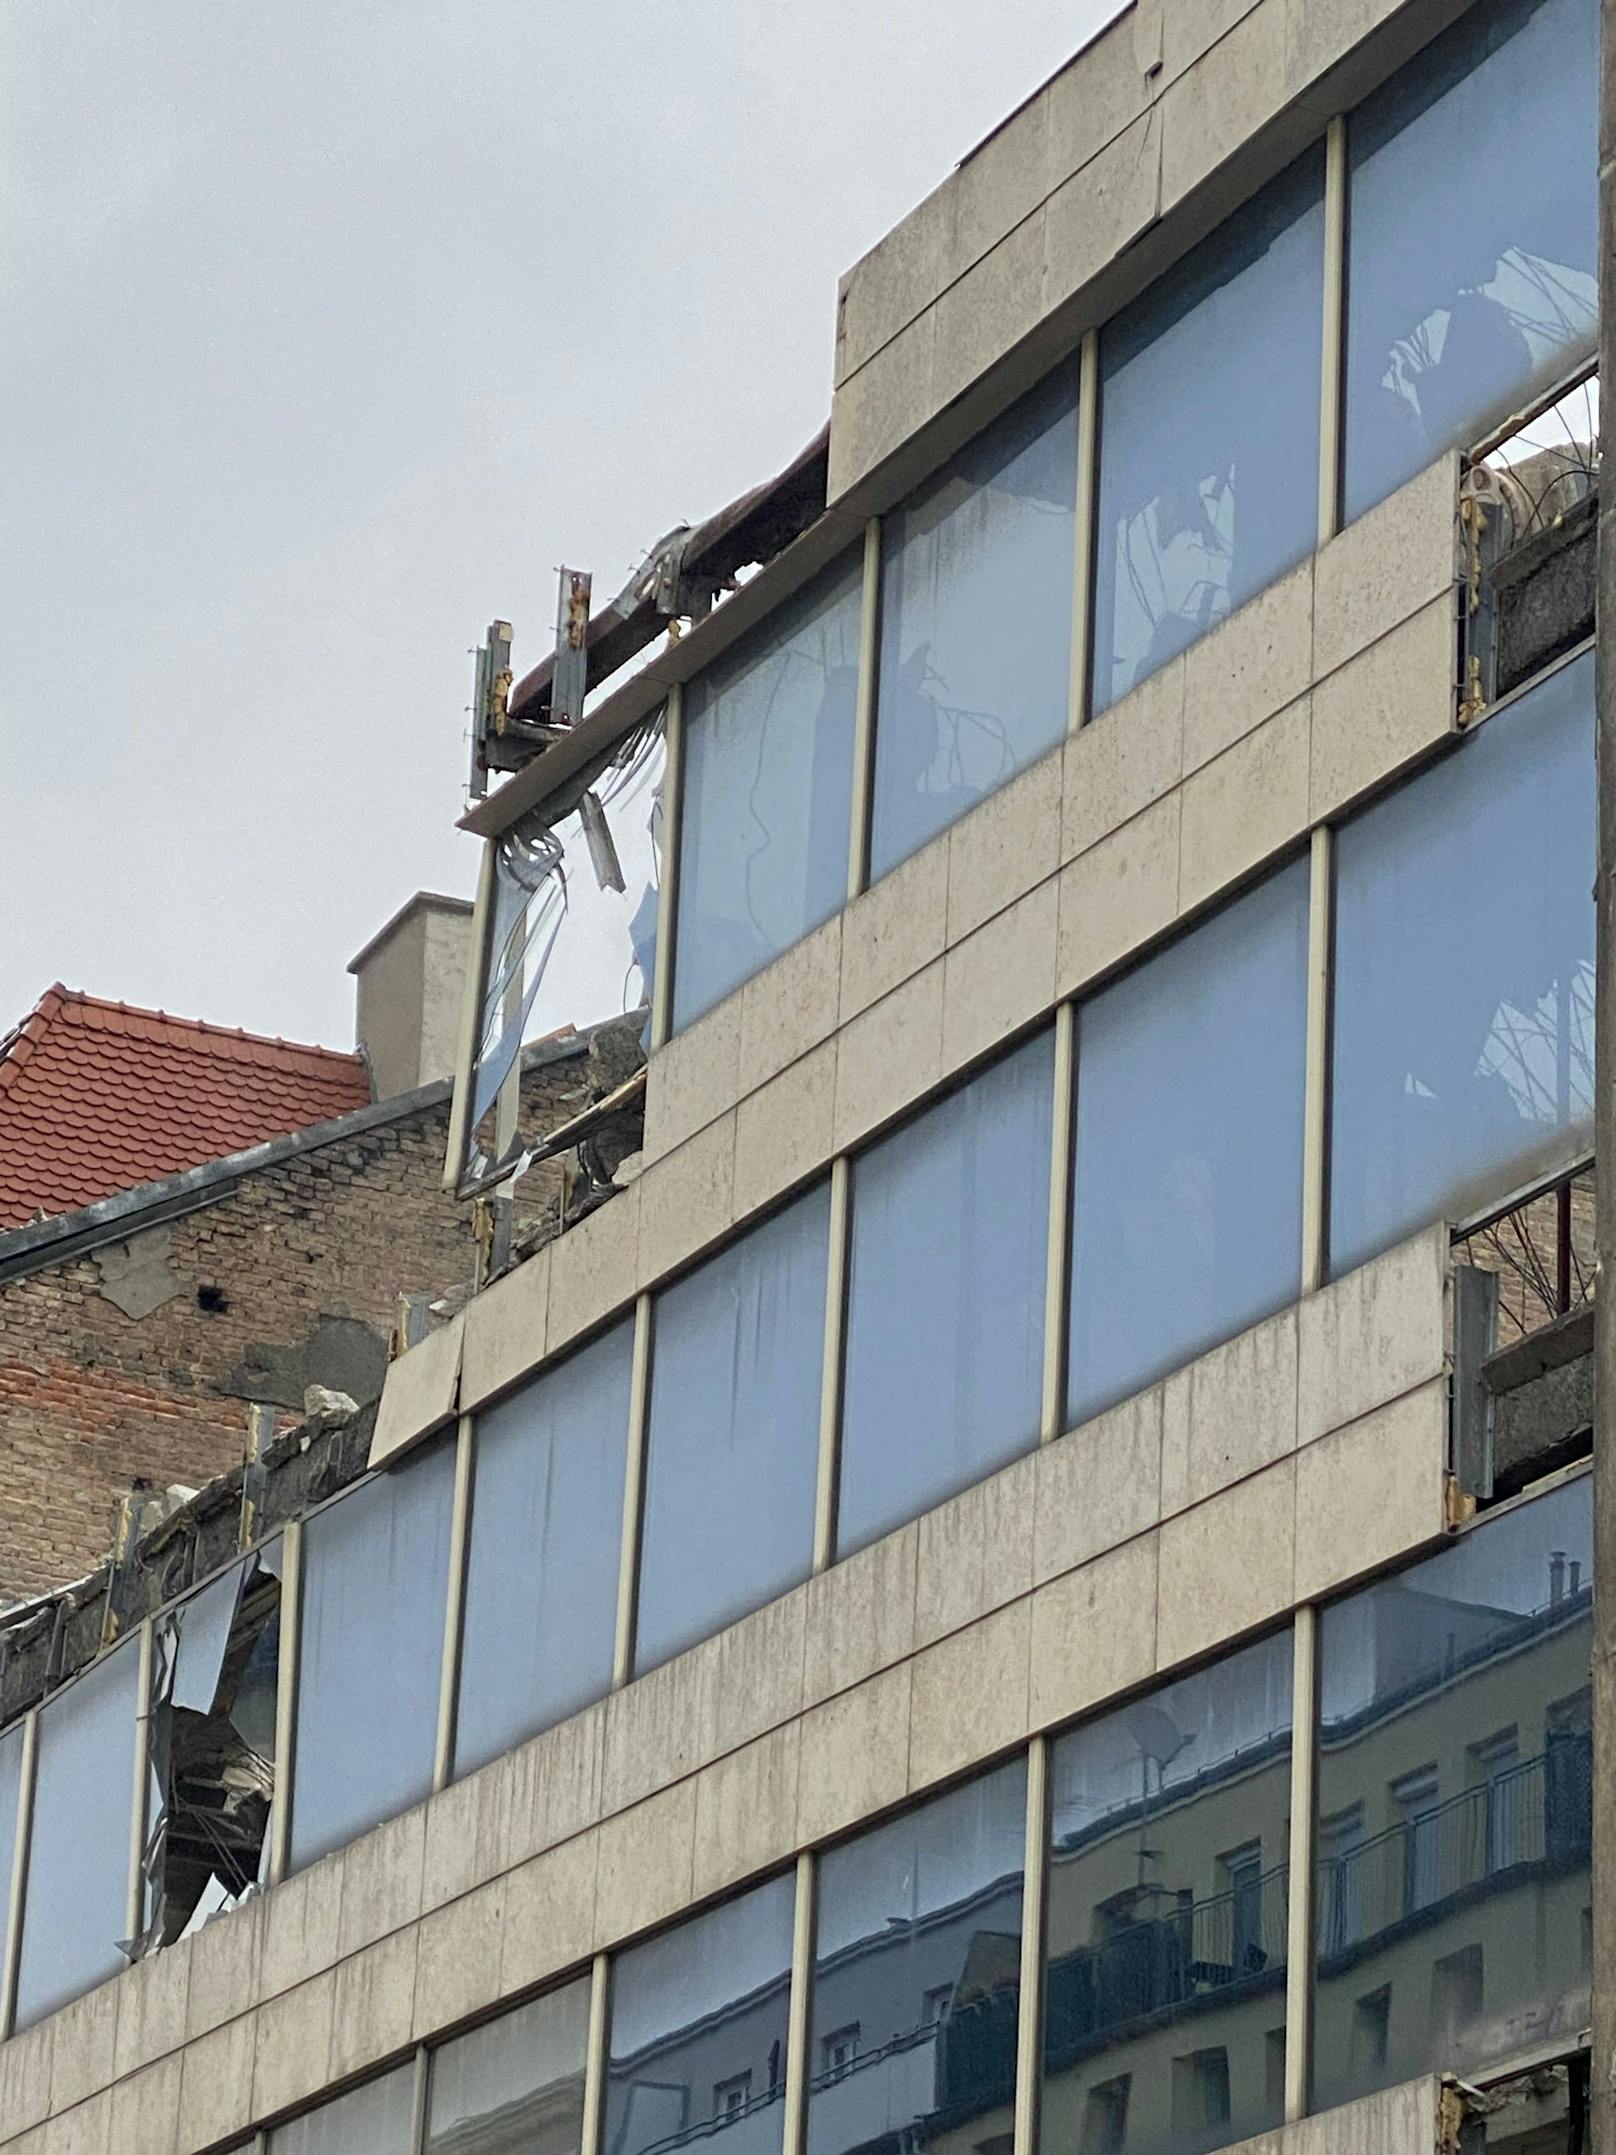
411,975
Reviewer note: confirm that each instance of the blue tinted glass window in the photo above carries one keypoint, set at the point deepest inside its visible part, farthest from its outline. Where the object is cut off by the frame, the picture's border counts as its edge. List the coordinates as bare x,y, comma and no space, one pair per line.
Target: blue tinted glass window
1455,1806
976,623
1164,2015
917,1975
945,1321
1464,974
732,1459
76,1906
542,1560
377,2119
767,792
516,2085
1209,431
375,1586
1473,248
697,2051
1191,1091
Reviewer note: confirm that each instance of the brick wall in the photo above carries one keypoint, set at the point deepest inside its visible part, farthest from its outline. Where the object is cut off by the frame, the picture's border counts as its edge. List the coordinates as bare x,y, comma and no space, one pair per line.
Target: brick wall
262,1289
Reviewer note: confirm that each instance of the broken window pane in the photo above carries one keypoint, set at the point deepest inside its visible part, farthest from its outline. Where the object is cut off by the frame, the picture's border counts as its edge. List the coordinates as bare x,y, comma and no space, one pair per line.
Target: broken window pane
1165,1956
1464,975
542,1562
733,1445
76,1906
917,1975
377,2119
976,623
1473,212
767,791
945,1320
1455,1801
1209,432
516,2086
212,1748
375,1585
1191,1089
697,2050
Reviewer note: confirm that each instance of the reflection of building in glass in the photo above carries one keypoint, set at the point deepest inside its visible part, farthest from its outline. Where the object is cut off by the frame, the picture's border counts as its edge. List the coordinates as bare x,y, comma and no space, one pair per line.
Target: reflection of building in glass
1455,1806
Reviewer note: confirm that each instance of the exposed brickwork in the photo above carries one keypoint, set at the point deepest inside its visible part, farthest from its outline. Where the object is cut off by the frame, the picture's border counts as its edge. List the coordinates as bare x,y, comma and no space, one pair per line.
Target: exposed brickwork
91,1398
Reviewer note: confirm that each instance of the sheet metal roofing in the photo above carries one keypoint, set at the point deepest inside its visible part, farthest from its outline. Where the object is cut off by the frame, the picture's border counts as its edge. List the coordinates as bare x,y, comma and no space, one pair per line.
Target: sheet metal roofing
98,1097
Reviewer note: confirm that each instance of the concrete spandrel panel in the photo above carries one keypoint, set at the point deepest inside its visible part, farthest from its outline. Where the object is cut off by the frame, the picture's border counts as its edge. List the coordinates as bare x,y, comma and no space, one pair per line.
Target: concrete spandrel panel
976,613
421,1393
1473,253
1191,1089
767,792
542,1559
1209,484
76,1909
1464,968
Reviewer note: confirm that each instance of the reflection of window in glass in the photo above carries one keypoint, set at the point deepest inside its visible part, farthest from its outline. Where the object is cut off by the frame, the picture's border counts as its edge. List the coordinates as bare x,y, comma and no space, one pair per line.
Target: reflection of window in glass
1104,2130
1435,1715
1414,1808
514,2085
697,2041
1201,2090
1371,2029
733,1449
1142,1920
1464,963
945,1327
766,791
1340,1840
1187,1196
375,1589
976,621
1274,2072
1208,491
541,1565
923,1909
1473,263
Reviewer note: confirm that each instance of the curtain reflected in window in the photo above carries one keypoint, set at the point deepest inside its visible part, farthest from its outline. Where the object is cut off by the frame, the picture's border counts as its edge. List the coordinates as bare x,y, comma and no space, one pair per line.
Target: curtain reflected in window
1464,974
1209,429
976,623
917,1975
767,792
1164,2005
1455,1806
699,2019
1473,212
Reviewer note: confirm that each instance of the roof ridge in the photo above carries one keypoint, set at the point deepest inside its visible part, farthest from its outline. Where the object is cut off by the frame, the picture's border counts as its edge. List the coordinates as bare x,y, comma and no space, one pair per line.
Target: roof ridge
187,1028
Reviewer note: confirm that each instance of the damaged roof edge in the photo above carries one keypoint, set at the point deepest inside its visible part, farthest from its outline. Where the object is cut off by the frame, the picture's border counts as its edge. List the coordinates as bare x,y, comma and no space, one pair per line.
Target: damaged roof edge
112,1219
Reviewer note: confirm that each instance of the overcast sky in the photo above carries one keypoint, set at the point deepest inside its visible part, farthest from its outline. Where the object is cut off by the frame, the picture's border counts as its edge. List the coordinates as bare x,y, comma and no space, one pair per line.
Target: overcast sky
330,328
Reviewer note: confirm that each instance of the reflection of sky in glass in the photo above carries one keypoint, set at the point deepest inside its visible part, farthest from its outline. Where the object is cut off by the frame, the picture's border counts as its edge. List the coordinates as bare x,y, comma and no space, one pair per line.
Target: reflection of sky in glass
925,1862
515,2062
701,1967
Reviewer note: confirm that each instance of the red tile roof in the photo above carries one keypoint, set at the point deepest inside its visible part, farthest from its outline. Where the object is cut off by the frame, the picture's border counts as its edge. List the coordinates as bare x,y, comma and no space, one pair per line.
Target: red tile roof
96,1097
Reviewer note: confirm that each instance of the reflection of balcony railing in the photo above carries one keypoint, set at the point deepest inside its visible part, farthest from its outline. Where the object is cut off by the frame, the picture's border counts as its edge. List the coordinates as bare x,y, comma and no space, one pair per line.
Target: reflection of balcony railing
971,2069
1538,1815
1165,1963
725,2121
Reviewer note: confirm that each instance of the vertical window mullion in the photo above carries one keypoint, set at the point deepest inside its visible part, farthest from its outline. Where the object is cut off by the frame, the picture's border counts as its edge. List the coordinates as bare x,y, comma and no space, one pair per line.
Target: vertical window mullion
1088,454
1030,2018
673,772
639,1404
286,1679
454,1619
798,2033
592,2137
858,839
830,1383
1335,285
1299,1901
135,1899
17,1855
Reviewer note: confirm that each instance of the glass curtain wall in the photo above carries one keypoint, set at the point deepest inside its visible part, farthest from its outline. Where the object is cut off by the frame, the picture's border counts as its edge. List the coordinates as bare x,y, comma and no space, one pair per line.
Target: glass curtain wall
1473,243
375,1590
1209,433
732,1447
945,1316
767,791
76,1902
516,2085
1187,1190
542,1560
1464,973
1164,2004
699,2019
1452,1888
917,1975
976,619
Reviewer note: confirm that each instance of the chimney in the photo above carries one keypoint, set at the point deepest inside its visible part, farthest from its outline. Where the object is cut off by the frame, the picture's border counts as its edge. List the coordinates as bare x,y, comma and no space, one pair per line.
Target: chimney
1557,1569
411,977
